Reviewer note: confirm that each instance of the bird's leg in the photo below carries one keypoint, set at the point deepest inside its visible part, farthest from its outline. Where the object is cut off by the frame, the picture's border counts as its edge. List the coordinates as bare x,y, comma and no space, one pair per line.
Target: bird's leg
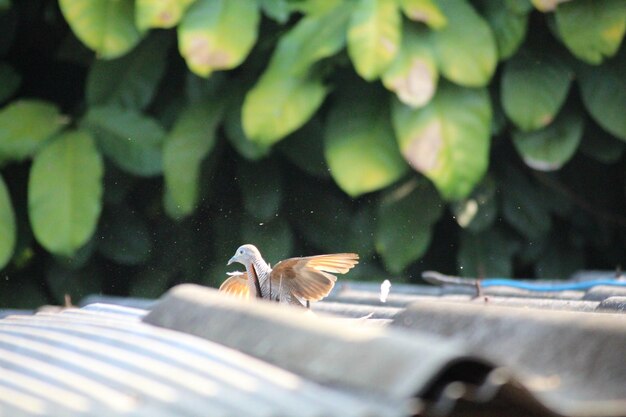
280,288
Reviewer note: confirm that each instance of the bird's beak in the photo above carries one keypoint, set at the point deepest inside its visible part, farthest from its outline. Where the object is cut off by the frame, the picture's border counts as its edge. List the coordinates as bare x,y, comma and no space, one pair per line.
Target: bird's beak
231,260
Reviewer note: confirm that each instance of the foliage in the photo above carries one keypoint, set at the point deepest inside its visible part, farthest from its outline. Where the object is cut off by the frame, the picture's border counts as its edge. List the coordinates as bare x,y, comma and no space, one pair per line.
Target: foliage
142,141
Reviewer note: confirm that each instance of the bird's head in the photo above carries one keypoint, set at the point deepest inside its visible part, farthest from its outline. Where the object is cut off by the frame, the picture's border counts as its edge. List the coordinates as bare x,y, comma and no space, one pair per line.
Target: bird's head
245,255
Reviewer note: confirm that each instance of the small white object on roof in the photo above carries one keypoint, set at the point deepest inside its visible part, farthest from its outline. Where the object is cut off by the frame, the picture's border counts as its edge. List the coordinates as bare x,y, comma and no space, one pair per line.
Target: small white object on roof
384,290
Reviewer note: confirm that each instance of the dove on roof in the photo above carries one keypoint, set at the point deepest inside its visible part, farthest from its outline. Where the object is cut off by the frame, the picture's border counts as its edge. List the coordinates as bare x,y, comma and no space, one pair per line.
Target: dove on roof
295,281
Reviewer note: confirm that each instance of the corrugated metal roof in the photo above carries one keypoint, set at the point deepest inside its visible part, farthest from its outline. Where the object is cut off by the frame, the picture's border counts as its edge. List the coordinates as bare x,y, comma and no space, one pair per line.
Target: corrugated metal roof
431,351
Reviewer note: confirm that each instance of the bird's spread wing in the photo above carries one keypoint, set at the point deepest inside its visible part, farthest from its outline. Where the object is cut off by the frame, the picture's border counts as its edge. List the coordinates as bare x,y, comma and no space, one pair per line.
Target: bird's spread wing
311,278
237,285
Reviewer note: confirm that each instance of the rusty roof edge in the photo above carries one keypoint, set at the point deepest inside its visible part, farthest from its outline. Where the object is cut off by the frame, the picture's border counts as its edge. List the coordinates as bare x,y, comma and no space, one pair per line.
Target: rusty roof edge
319,348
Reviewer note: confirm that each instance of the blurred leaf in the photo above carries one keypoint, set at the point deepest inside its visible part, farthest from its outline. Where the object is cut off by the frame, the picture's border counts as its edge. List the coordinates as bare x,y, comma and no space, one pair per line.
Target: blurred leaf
149,283
314,7
477,212
405,221
130,81
592,30
560,259
65,192
448,140
278,106
509,26
21,293
534,87
124,236
424,11
234,130
374,36
79,259
601,146
487,255
11,80
25,125
519,6
277,10
523,206
261,188
413,74
604,94
360,238
274,239
321,217
77,283
285,96
131,139
550,148
305,149
5,5
547,5
8,229
465,49
191,139
160,13
105,26
217,34
360,148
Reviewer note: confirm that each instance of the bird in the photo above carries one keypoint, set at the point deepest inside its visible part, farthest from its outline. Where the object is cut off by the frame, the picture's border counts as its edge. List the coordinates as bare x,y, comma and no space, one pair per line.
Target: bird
294,281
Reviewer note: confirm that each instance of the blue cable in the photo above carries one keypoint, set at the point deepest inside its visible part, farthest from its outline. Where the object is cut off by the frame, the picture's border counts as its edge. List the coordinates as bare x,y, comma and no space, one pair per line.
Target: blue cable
582,285
437,278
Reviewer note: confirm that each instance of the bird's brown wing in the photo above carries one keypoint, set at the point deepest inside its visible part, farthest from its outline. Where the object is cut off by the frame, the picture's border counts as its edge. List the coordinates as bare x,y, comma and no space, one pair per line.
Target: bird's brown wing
236,285
311,278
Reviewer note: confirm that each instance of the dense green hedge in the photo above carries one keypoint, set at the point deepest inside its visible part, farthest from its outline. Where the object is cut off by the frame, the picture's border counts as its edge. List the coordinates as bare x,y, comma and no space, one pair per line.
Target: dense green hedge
141,141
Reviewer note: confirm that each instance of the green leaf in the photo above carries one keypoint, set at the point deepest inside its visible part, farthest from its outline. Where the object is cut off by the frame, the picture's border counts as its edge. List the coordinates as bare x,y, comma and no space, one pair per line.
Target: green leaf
8,229
313,7
560,259
130,81
131,139
590,29
322,217
487,255
550,148
523,205
124,236
65,192
601,146
405,221
604,94
413,73
477,212
448,140
160,13
25,125
305,149
11,80
5,5
424,11
76,283
105,26
217,34
360,148
465,49
190,141
278,10
534,87
234,130
546,5
509,27
261,188
274,239
374,36
286,96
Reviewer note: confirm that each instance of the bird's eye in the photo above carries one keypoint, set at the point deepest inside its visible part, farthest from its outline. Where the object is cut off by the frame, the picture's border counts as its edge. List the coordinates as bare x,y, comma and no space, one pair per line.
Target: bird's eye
241,252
